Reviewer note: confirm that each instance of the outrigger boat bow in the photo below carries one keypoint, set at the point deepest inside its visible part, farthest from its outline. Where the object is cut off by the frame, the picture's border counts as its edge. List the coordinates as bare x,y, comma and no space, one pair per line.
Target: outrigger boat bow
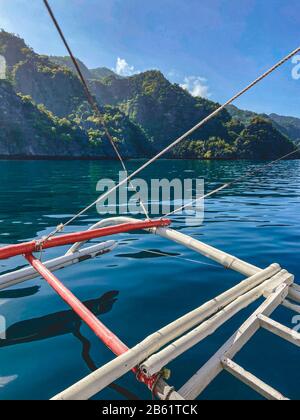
148,359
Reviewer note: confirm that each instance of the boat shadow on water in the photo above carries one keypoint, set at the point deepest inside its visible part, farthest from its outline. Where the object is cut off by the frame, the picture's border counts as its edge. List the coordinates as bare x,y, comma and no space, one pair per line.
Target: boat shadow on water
58,324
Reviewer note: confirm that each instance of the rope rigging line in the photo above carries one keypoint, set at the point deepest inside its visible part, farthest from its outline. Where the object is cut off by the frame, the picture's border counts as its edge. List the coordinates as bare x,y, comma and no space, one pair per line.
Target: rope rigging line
163,254
178,140
93,103
235,181
184,136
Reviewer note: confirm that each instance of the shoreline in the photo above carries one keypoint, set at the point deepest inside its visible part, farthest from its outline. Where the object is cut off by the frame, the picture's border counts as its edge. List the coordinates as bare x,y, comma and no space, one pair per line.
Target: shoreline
95,158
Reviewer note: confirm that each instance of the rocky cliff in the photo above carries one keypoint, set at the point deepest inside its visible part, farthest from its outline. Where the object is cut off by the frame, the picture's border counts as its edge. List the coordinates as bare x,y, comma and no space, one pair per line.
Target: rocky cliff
44,113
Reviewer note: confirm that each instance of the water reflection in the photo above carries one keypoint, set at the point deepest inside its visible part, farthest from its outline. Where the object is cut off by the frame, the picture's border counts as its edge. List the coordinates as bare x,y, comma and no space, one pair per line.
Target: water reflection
58,324
150,253
33,217
19,293
258,220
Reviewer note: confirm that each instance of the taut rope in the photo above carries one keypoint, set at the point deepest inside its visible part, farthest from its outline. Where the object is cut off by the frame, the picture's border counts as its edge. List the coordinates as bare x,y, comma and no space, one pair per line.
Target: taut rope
90,97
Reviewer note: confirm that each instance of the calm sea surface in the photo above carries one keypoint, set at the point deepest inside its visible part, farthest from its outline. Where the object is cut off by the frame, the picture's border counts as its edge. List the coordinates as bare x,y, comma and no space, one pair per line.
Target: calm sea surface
135,292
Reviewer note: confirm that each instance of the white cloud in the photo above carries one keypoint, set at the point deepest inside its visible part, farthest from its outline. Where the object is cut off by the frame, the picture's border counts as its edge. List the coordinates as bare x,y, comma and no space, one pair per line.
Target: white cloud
197,86
123,68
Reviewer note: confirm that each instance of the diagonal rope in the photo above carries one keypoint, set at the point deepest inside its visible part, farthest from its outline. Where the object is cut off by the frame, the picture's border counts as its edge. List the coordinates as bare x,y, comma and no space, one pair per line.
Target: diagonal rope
163,254
93,103
180,139
235,181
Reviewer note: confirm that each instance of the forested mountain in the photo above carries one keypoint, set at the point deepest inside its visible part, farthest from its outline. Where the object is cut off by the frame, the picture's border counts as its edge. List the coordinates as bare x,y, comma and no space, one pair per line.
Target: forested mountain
289,126
99,73
44,113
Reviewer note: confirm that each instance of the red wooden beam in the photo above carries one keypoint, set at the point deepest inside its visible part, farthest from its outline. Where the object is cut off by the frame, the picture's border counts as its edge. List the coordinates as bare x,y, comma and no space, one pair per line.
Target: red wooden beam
101,331
71,238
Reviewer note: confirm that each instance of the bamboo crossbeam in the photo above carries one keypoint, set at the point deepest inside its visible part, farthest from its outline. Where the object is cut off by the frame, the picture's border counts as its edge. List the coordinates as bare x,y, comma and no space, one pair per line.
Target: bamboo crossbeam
29,273
157,361
293,307
280,330
118,367
252,381
227,260
213,367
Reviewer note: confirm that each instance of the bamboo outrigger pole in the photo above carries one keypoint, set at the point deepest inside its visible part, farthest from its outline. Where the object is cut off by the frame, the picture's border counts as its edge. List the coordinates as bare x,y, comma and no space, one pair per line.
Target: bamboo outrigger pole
118,367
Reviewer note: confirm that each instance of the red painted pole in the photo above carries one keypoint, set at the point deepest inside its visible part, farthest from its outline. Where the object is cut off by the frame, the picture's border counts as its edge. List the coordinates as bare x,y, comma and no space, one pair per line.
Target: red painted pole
71,238
101,331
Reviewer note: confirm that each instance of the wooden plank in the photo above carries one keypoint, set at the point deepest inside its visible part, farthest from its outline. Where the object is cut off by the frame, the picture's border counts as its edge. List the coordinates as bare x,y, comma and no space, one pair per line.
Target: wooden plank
252,381
165,392
280,330
213,367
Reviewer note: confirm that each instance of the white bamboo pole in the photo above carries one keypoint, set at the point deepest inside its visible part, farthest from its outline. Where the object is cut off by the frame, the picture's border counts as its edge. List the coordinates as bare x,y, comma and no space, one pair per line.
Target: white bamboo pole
296,287
118,367
198,382
157,361
293,307
294,293
227,260
28,273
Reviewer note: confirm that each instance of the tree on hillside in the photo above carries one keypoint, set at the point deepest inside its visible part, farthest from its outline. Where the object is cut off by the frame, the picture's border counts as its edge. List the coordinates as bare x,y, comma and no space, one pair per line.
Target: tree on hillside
260,140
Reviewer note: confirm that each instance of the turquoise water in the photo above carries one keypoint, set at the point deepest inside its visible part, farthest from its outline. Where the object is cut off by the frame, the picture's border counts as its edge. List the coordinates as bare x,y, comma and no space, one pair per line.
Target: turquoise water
135,292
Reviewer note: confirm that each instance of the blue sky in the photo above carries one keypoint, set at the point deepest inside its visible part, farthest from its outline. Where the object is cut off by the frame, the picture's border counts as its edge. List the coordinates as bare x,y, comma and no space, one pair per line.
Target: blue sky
212,47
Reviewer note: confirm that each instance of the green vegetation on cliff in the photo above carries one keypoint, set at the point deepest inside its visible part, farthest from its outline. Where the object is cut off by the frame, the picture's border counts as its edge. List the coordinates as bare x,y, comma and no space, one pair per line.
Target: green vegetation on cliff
290,125
46,114
260,138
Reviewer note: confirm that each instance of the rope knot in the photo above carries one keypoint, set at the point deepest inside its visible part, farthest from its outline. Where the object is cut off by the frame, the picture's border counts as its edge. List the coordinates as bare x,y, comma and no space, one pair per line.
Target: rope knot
40,243
60,227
